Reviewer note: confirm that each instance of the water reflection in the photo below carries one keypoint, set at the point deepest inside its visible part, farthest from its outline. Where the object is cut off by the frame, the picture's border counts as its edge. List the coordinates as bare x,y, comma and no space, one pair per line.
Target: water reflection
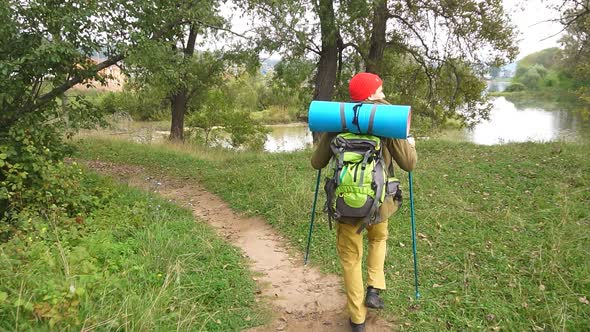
508,122
288,138
497,86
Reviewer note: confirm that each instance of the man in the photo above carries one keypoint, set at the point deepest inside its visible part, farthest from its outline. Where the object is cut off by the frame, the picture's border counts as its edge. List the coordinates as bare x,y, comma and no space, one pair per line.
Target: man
366,88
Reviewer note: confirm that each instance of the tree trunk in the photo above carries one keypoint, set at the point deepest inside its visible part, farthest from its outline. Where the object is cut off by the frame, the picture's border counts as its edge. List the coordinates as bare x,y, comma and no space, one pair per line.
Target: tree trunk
378,40
179,102
180,97
328,63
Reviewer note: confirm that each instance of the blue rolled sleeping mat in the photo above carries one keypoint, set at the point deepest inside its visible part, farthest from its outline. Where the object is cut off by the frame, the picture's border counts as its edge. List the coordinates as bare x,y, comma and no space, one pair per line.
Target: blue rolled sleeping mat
391,121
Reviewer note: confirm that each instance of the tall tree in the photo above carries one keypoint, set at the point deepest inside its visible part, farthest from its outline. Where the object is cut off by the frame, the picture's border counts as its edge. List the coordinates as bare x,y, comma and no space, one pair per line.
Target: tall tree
179,98
447,44
378,40
331,45
574,15
177,66
46,50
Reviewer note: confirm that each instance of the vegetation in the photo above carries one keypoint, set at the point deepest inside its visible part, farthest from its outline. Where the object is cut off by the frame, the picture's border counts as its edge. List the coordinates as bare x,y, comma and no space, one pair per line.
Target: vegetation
46,51
392,39
542,70
575,17
502,230
133,261
565,69
83,252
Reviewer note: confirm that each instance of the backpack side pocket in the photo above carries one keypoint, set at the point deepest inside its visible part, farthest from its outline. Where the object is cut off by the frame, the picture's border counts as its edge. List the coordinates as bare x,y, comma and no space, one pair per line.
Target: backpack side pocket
392,188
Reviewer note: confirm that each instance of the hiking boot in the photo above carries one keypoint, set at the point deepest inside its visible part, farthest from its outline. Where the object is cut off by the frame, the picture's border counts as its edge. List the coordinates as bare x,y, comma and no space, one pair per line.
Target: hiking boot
357,327
373,300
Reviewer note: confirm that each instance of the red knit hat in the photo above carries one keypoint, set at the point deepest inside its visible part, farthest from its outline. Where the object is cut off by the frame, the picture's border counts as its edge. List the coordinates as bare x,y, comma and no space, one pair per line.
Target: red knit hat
363,85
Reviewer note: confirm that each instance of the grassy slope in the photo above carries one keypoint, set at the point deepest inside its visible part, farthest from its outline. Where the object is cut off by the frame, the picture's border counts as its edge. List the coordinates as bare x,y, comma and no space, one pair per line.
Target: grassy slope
138,264
504,230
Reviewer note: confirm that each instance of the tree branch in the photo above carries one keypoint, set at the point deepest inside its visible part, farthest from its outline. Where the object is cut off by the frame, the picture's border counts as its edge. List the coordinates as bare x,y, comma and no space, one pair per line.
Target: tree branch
211,26
70,83
357,49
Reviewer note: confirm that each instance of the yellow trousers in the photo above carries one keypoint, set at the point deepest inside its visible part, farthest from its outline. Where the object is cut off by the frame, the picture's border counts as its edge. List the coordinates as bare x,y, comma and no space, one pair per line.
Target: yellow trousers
350,251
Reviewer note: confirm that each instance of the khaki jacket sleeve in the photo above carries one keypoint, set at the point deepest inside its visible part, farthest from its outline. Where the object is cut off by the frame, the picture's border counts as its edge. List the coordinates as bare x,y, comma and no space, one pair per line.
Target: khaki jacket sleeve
404,154
322,154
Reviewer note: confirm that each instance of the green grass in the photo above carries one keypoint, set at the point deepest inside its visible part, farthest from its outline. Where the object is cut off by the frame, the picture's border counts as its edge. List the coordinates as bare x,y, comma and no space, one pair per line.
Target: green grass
504,231
138,264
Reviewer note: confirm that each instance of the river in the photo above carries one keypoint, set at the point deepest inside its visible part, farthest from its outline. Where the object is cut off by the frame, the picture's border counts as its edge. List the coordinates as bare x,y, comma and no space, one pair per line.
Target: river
508,123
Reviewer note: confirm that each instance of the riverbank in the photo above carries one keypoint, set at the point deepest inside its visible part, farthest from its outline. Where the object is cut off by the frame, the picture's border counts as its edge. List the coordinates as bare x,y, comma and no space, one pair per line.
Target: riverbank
547,98
503,230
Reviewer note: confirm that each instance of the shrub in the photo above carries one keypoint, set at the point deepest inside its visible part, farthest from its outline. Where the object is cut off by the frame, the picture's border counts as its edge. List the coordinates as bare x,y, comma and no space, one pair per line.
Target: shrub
143,106
33,177
218,112
514,87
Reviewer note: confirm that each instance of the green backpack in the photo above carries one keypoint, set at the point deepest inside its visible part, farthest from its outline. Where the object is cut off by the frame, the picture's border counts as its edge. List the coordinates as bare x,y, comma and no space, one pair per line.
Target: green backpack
357,181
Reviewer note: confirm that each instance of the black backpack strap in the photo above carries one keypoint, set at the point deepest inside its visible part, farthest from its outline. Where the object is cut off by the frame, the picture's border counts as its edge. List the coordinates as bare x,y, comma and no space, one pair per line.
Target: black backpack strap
364,166
329,188
337,151
355,119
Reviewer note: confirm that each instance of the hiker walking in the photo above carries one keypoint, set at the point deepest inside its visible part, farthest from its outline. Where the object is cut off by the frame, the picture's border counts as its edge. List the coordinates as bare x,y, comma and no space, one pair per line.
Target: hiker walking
364,88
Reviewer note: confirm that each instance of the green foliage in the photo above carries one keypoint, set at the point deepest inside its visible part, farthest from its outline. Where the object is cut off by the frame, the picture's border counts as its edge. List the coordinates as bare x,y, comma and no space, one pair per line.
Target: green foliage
495,72
544,69
159,68
46,49
220,112
405,84
33,178
503,234
146,105
576,16
438,79
513,87
245,90
550,58
135,262
533,77
290,86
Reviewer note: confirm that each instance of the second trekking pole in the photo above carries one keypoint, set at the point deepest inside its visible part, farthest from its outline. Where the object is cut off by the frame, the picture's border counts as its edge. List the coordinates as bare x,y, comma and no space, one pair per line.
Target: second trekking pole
315,199
413,235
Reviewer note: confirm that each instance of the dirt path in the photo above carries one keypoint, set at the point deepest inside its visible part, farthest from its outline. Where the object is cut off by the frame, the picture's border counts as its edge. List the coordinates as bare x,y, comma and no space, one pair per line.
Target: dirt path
301,298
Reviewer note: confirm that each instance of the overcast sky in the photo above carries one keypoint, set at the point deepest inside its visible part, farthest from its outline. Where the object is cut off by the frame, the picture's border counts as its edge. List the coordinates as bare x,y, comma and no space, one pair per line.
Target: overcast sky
529,17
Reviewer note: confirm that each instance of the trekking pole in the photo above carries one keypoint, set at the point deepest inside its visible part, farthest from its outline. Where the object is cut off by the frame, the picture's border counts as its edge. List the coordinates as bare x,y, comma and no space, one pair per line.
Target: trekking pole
315,199
413,235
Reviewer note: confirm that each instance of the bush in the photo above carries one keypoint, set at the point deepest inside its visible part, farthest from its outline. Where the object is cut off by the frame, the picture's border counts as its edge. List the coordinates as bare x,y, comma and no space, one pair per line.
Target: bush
143,106
216,111
33,177
514,87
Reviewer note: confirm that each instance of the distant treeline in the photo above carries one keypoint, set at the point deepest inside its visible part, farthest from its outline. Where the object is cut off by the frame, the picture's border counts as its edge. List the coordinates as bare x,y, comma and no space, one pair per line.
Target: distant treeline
550,68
